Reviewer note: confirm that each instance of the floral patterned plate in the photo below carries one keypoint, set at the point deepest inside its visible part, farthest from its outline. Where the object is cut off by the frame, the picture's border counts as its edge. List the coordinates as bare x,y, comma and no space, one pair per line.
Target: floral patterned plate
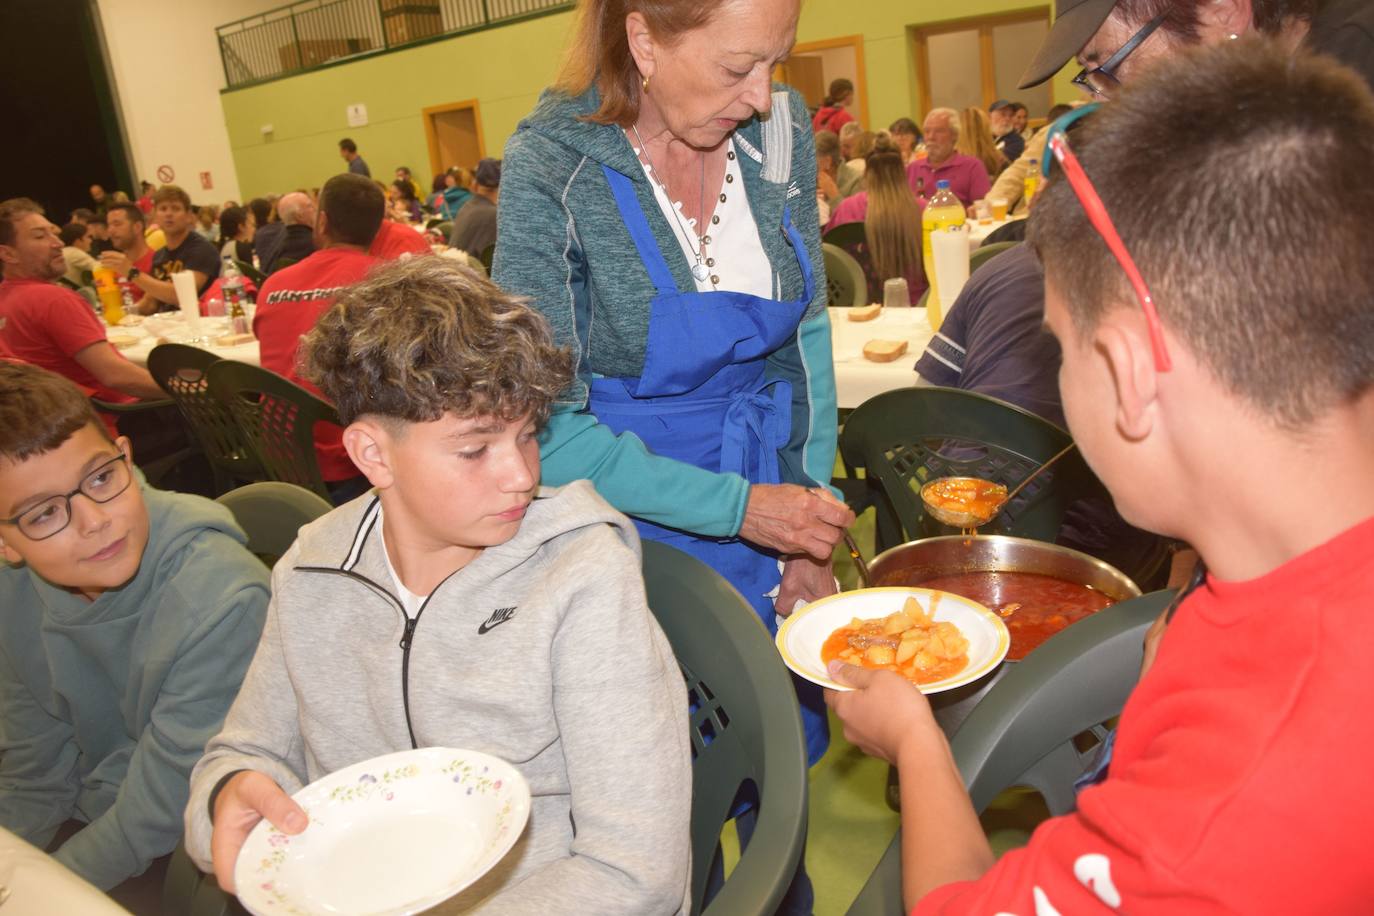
392,835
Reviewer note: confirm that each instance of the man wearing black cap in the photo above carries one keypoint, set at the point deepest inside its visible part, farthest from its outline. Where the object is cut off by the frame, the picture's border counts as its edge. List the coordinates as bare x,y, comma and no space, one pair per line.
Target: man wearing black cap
1110,38
474,228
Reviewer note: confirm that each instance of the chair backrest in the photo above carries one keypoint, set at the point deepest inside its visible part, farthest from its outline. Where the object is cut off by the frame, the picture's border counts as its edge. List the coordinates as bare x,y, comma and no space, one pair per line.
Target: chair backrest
271,513
1027,729
180,371
277,417
845,234
1014,231
1023,732
844,278
986,252
905,437
745,728
486,255
249,271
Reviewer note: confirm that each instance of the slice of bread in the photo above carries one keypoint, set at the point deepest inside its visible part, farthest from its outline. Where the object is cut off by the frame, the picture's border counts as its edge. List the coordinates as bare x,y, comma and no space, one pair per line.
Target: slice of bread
864,312
884,351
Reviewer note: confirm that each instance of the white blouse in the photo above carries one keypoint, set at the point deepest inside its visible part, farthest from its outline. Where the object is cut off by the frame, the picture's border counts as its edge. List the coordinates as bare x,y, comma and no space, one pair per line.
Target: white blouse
734,254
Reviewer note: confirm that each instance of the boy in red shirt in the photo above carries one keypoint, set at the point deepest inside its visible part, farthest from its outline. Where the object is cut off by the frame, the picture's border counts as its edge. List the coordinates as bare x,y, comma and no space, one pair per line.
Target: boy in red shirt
293,299
1240,421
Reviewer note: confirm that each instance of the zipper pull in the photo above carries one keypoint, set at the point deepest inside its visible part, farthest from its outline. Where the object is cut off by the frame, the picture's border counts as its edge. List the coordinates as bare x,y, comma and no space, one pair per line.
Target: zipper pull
409,633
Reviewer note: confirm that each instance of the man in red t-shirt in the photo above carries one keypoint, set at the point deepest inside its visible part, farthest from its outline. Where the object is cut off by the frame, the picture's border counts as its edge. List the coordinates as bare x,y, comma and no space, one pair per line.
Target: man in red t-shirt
394,239
44,324
125,225
293,299
1240,418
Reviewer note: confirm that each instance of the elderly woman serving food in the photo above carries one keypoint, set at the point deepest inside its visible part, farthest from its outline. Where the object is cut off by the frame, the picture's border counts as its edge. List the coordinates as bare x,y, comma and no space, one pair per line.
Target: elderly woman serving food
657,206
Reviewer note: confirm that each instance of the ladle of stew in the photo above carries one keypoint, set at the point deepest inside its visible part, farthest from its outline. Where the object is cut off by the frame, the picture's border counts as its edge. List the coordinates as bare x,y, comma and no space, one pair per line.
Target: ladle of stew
971,502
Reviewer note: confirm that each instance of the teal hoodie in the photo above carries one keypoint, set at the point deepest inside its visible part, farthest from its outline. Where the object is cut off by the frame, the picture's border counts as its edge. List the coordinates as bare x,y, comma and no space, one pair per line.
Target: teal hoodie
561,242
106,705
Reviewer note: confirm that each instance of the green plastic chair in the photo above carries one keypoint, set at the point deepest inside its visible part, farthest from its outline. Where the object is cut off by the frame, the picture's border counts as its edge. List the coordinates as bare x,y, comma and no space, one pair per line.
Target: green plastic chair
444,228
271,513
486,256
277,418
844,278
902,438
845,235
249,271
745,728
1028,730
180,370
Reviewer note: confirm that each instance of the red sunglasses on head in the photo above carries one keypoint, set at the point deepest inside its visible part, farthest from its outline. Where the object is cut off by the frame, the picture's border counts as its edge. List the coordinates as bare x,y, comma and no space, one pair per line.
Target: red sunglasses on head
1058,144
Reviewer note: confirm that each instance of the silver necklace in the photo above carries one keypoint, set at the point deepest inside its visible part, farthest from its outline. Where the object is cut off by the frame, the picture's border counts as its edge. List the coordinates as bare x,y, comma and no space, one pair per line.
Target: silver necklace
699,270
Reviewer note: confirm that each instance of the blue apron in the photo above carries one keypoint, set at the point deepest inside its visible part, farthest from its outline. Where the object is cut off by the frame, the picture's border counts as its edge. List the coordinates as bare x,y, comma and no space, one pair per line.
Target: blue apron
702,398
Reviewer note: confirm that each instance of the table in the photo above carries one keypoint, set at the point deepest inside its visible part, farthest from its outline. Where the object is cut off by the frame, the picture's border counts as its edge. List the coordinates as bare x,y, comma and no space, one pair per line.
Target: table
858,379
33,883
977,231
138,341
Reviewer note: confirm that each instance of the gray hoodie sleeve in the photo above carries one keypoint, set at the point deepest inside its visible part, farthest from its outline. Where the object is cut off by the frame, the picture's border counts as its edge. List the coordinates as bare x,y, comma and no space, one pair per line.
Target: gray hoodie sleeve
260,733
621,707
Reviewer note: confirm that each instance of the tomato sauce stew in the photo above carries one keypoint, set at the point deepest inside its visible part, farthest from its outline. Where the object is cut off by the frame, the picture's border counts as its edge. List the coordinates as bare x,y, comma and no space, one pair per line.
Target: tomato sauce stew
1033,606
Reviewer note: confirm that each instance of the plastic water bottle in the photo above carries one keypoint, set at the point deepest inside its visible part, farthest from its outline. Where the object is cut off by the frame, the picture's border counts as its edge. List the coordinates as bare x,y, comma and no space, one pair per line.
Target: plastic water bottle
231,283
943,211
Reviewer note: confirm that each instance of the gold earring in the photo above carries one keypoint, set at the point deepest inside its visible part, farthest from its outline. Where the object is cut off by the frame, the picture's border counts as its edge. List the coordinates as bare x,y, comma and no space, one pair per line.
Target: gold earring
644,83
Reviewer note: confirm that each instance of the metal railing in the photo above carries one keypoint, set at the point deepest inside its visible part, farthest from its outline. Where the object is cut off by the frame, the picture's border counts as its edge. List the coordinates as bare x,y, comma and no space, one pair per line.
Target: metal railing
312,33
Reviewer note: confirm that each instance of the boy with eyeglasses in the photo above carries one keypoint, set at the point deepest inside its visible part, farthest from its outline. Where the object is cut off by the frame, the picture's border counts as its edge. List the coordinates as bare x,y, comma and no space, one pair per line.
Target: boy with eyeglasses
128,617
1218,375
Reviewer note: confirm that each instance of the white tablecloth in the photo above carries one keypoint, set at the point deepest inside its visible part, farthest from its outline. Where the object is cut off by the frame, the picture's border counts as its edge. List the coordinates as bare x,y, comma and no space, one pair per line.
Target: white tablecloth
858,379
33,883
138,341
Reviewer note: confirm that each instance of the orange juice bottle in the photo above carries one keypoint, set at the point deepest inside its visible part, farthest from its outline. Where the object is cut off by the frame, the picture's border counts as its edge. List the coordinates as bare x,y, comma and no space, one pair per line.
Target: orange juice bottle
1032,180
943,211
107,290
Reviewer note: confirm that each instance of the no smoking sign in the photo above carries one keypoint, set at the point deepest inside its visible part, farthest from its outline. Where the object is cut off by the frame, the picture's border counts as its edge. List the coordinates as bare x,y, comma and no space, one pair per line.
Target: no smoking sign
165,173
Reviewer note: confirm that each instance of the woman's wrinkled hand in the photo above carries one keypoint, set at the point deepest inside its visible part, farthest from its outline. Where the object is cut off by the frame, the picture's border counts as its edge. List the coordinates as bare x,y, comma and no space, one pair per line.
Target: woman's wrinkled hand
794,520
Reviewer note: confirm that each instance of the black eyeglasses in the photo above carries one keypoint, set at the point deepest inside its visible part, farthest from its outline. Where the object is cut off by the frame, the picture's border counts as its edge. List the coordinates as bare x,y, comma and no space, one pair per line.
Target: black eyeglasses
1100,81
52,515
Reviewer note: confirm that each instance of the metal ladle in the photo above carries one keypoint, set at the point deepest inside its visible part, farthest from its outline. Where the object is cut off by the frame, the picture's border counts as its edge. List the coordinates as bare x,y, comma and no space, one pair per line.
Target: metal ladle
967,520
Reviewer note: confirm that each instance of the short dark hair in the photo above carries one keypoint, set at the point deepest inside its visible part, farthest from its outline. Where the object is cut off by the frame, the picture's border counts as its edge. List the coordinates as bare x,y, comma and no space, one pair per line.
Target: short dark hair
97,220
1270,16
1251,234
82,215
1017,106
1057,112
231,220
905,126
262,210
39,410
73,232
348,145
130,211
406,189
1181,17
11,212
354,207
170,193
422,337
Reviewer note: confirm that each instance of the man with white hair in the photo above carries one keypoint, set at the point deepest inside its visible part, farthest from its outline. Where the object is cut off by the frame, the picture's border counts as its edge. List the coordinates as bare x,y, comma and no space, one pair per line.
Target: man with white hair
292,238
967,176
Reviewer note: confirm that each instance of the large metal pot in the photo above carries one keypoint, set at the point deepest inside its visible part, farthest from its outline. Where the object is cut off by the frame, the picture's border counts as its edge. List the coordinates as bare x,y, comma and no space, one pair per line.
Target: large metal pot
917,561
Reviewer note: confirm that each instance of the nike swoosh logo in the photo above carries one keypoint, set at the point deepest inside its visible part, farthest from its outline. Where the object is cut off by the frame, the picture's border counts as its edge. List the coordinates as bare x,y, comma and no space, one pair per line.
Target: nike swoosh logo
490,625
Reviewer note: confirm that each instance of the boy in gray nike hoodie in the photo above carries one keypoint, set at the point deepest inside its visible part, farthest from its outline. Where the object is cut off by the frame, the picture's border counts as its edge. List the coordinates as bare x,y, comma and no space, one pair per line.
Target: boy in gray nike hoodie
460,605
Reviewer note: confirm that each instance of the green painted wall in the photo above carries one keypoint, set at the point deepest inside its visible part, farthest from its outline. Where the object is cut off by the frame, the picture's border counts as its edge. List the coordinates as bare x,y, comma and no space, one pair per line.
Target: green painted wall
505,68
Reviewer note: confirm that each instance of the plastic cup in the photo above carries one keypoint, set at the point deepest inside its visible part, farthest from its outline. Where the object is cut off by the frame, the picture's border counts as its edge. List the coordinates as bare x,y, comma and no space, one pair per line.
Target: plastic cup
896,294
999,208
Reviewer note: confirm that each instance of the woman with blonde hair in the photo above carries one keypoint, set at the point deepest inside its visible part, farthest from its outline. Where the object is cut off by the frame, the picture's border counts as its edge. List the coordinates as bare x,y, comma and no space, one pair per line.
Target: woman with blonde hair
657,208
892,222
976,140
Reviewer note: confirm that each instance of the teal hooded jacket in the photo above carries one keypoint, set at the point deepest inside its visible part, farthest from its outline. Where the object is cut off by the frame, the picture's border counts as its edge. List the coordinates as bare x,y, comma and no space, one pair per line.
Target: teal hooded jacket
106,705
561,243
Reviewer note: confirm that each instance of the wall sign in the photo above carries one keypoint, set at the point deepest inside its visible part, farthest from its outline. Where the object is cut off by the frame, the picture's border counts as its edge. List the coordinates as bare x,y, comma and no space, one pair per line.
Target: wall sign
165,173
